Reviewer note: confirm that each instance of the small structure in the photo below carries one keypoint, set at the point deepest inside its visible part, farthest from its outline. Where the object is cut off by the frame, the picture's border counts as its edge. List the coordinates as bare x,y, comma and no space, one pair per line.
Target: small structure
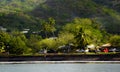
86,50
52,38
105,47
3,29
25,31
92,46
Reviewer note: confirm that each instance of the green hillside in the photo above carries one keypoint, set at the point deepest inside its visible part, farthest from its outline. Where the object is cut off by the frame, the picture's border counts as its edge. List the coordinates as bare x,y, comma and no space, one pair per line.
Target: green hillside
114,4
19,5
20,14
66,10
14,14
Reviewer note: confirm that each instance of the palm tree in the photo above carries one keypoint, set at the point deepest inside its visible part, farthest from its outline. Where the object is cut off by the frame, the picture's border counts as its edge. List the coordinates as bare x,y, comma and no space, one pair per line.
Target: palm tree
81,39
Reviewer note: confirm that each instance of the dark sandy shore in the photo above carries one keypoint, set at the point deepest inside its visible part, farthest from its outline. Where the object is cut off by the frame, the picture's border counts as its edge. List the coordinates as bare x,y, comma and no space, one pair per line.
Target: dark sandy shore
67,57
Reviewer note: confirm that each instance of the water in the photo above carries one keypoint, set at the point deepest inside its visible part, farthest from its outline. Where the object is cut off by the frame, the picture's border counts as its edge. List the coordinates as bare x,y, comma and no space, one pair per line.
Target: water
59,67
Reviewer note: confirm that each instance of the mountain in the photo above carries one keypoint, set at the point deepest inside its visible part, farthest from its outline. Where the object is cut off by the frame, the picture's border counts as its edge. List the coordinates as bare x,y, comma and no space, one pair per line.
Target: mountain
20,14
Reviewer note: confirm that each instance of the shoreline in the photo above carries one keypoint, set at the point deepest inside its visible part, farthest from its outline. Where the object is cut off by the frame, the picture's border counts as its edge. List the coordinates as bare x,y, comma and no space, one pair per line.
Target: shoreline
62,62
111,57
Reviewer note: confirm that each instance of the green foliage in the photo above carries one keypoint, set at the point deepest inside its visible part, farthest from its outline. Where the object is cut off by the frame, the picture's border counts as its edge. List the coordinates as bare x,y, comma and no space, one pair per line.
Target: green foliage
14,14
22,14
48,26
47,44
81,39
4,41
17,46
65,38
2,46
90,29
114,4
14,43
115,40
19,34
4,37
18,21
19,5
65,10
32,43
80,22
54,43
111,21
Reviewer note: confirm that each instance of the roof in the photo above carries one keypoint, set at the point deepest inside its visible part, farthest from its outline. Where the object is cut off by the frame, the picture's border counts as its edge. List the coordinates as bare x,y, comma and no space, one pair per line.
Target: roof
106,45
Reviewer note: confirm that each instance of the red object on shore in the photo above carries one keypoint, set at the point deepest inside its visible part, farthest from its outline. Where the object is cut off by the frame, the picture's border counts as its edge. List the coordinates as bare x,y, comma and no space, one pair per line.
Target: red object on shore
106,50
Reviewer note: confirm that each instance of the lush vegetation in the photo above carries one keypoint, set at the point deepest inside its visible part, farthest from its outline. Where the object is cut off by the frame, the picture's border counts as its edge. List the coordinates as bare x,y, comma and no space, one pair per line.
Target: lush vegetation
55,23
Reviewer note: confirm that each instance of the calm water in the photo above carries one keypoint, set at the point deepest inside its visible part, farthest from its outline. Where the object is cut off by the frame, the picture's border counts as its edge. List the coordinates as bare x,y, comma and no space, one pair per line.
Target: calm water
59,67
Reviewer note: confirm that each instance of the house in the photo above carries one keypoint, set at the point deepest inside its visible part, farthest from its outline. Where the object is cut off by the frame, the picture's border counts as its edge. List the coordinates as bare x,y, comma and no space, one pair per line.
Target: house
105,47
3,29
25,31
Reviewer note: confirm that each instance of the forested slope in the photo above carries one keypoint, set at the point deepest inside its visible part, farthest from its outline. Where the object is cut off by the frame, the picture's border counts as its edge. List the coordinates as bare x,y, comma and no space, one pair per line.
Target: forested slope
20,14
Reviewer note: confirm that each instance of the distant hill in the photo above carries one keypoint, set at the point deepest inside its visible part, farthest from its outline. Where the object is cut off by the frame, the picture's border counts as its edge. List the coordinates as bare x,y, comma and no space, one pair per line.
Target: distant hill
20,14
65,10
114,4
14,14
19,5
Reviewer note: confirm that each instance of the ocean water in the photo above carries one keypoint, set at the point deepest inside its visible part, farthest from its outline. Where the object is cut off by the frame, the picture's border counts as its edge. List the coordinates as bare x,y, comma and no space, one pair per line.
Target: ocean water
60,67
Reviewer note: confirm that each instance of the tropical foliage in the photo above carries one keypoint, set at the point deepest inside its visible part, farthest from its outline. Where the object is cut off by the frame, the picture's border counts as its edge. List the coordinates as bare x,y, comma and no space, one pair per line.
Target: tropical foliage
51,24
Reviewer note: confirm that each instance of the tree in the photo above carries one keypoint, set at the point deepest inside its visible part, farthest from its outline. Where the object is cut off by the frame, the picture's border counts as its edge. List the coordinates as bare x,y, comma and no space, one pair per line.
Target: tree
17,46
81,39
52,25
48,26
4,37
32,42
47,44
91,29
2,47
115,40
4,40
65,38
44,27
